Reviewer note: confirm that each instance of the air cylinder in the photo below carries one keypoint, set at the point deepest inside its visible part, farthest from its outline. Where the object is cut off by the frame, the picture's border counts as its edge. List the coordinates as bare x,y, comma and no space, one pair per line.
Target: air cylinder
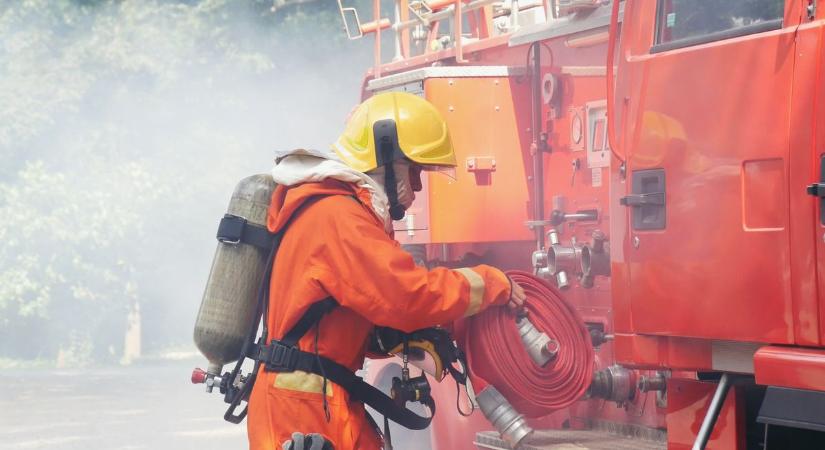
227,310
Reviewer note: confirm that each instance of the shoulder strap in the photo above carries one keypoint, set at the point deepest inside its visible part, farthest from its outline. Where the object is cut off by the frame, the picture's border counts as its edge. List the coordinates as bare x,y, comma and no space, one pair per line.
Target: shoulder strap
263,293
314,314
234,396
236,229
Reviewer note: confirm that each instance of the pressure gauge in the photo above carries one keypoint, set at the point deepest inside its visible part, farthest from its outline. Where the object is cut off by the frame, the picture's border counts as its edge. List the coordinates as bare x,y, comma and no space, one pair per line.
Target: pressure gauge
576,129
550,88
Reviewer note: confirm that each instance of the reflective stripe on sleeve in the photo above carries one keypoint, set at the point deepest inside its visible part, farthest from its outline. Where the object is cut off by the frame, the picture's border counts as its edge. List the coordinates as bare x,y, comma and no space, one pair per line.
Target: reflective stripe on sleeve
476,289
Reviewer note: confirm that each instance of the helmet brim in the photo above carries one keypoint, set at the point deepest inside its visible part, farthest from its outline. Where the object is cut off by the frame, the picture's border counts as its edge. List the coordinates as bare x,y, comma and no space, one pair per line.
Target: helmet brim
448,171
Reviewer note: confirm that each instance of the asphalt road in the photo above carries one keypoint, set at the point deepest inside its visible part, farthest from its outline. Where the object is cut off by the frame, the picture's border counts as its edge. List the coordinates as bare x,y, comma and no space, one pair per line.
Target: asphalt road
146,406
150,406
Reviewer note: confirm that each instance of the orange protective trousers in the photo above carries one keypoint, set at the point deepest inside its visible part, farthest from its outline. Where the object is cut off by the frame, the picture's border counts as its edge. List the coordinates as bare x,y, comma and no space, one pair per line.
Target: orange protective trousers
336,246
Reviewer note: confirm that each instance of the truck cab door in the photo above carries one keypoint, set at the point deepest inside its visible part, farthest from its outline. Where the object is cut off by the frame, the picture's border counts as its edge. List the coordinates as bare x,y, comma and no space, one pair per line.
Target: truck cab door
816,189
808,175
807,147
705,133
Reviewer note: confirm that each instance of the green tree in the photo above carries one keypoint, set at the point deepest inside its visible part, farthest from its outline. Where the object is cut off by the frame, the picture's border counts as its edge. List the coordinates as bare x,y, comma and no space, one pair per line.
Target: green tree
123,128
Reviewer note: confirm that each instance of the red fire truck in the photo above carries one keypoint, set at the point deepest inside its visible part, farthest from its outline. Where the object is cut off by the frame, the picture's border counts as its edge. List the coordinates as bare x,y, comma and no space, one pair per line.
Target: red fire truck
660,162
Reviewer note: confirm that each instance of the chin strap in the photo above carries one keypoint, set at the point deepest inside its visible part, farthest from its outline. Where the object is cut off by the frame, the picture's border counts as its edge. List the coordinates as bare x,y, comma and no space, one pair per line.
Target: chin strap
397,210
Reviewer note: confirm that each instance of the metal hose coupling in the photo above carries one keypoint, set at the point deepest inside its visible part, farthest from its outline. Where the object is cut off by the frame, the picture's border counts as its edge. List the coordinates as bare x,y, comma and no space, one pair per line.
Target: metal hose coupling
508,422
541,348
561,261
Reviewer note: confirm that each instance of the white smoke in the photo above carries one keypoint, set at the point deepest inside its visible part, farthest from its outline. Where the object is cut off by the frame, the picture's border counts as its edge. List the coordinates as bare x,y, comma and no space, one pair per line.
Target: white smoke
124,126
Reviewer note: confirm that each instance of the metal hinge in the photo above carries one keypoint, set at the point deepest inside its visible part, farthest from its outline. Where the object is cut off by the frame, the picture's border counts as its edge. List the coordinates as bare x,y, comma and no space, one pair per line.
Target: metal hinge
811,9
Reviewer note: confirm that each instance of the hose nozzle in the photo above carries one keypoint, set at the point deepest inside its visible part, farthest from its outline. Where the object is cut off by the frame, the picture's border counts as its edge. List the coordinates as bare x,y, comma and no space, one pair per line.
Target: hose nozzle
541,348
508,422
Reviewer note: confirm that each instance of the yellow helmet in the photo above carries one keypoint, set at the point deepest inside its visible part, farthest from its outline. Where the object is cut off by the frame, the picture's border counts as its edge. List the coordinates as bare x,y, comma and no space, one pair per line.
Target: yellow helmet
404,125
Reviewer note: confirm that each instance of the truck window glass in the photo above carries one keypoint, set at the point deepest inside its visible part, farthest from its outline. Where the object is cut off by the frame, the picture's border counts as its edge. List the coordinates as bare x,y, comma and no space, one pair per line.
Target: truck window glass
700,21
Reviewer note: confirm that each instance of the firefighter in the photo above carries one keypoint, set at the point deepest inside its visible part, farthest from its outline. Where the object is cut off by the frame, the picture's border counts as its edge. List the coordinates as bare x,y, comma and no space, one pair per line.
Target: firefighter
338,250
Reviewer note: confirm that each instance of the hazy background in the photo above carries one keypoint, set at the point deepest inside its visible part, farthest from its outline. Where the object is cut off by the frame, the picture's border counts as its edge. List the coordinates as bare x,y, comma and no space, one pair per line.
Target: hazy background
124,126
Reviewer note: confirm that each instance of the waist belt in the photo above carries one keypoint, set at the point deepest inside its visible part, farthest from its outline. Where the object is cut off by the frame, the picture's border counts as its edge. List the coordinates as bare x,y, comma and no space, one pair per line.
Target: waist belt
278,357
284,356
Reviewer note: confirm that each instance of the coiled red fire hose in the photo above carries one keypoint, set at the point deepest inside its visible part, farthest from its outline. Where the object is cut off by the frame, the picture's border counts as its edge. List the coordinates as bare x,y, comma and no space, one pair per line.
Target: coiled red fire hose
496,356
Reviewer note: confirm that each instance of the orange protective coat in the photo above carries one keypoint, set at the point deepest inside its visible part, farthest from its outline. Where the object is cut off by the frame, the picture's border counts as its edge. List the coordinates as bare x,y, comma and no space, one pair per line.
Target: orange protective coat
337,246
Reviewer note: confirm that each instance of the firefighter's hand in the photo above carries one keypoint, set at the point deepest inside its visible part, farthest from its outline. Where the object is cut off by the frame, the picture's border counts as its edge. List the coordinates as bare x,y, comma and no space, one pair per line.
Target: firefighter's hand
311,441
517,297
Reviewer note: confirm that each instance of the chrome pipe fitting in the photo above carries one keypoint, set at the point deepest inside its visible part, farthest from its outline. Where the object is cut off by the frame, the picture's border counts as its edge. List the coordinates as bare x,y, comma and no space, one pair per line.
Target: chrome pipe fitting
562,258
541,348
583,254
508,422
559,262
595,259
657,382
553,237
544,272
614,383
539,258
562,281
213,376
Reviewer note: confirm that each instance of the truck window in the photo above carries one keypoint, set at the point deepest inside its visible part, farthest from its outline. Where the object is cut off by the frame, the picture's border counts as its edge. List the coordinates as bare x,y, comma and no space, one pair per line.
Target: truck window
681,23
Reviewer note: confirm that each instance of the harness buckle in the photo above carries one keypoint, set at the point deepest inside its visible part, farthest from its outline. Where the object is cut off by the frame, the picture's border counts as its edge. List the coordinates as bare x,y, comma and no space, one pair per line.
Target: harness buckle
279,358
231,229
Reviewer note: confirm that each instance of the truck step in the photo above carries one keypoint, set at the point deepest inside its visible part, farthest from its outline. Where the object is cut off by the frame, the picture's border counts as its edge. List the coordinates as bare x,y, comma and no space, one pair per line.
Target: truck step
617,438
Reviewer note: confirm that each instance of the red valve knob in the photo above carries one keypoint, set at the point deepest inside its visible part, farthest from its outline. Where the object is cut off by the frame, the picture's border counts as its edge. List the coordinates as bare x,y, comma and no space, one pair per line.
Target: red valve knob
198,376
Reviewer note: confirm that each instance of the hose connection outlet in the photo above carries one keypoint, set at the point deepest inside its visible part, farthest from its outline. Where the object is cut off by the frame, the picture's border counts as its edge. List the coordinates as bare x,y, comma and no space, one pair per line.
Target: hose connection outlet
614,383
541,348
508,422
656,382
559,261
598,259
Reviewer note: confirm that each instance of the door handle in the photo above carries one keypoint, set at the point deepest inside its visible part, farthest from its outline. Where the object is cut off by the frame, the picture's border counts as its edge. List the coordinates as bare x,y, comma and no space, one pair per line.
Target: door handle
817,190
648,199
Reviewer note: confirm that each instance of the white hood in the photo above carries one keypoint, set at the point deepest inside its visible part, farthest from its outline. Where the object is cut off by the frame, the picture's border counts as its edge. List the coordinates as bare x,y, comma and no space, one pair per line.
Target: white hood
307,166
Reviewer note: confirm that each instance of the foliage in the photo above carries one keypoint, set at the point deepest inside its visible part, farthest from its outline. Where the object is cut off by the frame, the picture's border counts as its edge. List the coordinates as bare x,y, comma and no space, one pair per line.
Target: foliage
123,127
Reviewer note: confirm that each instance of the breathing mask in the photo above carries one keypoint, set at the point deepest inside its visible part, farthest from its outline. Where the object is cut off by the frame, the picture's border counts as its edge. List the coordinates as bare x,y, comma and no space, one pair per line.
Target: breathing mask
432,350
401,187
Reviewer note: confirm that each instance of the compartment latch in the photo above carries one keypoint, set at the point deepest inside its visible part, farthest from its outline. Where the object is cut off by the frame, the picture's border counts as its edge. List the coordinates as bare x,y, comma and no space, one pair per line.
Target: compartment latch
647,199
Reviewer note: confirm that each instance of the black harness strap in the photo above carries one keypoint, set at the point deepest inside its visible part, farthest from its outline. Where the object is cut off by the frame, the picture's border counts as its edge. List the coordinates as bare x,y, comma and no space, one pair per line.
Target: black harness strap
235,397
385,134
279,357
235,230
311,317
232,230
